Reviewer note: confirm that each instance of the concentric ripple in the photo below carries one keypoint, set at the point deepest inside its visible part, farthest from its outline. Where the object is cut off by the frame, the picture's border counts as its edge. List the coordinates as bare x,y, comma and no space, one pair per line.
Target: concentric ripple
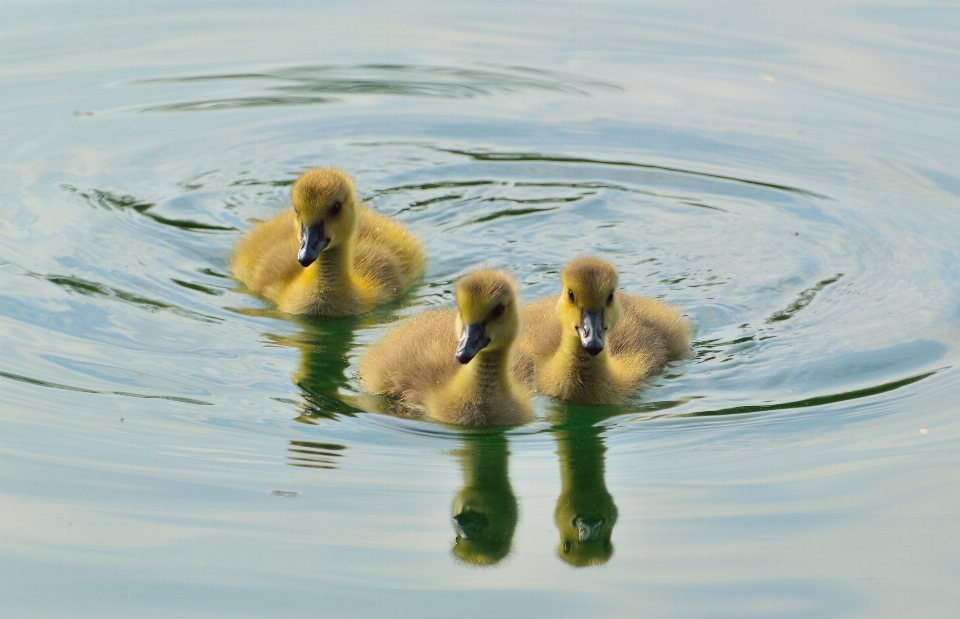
310,85
173,445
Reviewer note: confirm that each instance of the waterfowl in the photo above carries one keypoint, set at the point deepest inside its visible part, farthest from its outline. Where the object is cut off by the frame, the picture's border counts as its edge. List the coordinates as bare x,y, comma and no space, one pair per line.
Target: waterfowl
455,364
330,255
593,344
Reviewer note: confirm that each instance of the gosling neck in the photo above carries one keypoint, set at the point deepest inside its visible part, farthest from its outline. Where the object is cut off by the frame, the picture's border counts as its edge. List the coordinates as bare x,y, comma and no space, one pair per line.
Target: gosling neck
573,361
487,375
334,266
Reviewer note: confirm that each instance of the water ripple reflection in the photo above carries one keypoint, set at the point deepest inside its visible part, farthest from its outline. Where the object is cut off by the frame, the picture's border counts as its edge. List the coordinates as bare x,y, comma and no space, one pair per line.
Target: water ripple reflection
783,175
146,396
314,84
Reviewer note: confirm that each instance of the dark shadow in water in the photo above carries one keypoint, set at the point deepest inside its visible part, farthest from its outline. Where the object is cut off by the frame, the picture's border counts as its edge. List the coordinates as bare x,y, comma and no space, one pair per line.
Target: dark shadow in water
127,394
118,201
485,510
435,185
511,213
308,85
803,299
817,401
309,454
524,157
81,286
235,103
323,349
214,292
586,513
78,285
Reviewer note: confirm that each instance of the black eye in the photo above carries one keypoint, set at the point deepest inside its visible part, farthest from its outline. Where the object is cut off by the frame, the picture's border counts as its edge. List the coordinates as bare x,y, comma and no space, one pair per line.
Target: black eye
571,297
498,311
335,209
567,545
610,299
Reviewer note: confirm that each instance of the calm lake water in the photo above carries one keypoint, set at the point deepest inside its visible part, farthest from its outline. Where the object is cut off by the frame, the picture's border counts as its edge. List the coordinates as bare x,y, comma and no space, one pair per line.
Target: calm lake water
786,173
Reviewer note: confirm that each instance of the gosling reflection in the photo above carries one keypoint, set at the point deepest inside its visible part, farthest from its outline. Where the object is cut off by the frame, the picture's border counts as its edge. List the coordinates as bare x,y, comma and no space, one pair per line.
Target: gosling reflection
313,455
323,363
585,513
485,509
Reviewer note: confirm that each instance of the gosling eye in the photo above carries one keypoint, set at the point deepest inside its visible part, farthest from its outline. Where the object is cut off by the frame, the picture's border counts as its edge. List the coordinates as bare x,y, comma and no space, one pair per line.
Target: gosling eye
610,299
567,545
571,297
335,209
497,311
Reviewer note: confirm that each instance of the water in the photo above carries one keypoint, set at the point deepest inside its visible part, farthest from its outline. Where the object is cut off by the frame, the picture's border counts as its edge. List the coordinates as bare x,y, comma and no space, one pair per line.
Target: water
786,173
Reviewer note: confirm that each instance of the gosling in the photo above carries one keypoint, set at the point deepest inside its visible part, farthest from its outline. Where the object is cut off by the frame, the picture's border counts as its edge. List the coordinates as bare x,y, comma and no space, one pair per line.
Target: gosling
330,256
594,345
455,364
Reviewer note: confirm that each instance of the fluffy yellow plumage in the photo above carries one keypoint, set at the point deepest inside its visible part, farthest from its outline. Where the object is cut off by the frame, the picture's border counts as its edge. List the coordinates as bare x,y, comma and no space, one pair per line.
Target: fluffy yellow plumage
330,255
593,344
417,362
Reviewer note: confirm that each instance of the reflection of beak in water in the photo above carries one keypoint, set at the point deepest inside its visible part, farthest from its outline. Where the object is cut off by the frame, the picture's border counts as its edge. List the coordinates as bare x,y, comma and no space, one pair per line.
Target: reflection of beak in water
485,509
588,530
470,525
585,512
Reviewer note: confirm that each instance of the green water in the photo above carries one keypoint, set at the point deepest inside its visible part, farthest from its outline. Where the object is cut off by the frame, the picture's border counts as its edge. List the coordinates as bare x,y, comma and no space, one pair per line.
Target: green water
786,173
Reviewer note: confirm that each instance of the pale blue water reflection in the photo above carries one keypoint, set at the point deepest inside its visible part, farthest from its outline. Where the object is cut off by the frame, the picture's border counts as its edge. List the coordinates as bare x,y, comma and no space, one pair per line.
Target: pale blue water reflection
171,445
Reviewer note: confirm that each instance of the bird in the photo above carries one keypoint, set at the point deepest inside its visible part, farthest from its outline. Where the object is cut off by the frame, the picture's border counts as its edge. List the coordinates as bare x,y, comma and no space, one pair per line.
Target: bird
455,364
329,255
593,344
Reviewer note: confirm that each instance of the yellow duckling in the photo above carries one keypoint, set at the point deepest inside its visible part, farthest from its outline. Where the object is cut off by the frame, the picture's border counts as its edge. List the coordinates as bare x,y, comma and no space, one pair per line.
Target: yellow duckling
456,364
329,256
593,344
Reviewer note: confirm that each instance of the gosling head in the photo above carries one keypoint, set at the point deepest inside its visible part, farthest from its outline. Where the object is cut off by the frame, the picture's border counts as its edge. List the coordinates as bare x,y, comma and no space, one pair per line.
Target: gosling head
488,316
589,303
325,201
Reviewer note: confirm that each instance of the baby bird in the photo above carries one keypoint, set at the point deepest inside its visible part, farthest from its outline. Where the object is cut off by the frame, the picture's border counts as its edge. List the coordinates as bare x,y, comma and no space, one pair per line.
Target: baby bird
330,256
455,364
593,344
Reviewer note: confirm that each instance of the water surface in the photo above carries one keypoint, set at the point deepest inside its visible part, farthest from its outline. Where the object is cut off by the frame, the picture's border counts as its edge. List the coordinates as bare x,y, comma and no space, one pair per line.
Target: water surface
171,446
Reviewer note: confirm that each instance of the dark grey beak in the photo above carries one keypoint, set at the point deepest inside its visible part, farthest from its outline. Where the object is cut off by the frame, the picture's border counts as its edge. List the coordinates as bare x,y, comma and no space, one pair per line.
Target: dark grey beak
591,332
312,243
471,342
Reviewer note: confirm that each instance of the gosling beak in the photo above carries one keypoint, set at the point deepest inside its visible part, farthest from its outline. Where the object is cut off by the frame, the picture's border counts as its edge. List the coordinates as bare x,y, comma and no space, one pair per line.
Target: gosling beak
312,243
591,332
472,341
